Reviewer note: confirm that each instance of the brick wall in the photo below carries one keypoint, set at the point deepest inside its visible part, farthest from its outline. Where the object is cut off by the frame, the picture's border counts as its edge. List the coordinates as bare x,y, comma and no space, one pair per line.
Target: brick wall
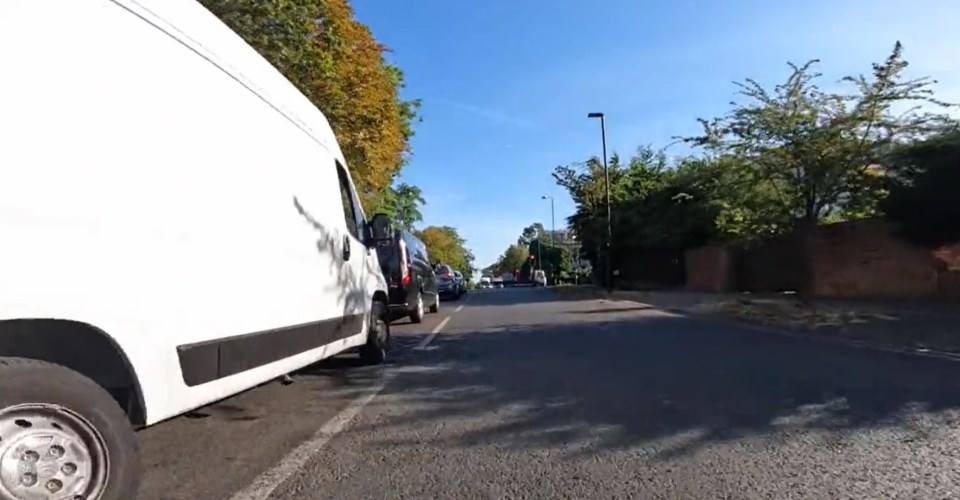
769,265
709,269
858,259
865,259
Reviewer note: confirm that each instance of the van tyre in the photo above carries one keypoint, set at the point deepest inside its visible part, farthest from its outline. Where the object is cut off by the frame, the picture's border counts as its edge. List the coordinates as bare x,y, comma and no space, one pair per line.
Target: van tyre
435,307
374,352
417,315
53,416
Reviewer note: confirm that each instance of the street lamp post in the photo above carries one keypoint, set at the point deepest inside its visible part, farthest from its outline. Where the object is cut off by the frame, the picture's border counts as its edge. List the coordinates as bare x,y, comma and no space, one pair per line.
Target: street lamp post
553,228
553,217
606,179
575,259
539,259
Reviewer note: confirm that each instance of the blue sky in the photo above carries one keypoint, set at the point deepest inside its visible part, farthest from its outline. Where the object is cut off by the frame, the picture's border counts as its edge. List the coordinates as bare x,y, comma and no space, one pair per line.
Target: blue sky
506,84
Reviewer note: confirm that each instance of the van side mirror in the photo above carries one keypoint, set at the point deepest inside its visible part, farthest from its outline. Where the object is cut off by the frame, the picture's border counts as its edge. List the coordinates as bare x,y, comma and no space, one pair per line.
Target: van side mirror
380,228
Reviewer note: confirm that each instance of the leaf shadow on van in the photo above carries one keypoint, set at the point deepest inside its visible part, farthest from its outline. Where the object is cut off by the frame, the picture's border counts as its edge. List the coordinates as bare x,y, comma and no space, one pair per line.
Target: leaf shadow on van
348,287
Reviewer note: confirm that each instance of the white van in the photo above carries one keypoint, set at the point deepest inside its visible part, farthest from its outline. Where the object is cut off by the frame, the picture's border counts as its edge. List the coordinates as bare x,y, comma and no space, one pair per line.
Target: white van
539,278
178,225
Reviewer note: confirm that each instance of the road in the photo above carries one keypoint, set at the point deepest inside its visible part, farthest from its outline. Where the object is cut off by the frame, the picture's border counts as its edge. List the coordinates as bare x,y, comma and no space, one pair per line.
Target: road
523,394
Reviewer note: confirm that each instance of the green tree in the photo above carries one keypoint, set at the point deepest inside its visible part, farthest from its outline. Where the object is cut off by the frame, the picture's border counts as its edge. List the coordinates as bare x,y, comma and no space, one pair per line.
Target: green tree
511,259
555,260
530,233
408,200
651,204
923,192
402,204
819,153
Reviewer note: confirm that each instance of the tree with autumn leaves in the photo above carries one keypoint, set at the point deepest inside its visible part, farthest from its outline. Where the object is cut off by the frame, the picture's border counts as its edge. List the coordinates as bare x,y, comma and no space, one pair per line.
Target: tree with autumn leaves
446,246
335,61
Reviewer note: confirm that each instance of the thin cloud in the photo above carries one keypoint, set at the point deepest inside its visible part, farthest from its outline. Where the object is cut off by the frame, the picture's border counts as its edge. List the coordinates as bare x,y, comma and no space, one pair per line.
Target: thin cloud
491,114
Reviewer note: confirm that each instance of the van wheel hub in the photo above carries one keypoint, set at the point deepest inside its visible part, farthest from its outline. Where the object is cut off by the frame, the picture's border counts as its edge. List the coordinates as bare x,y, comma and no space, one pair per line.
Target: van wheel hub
47,451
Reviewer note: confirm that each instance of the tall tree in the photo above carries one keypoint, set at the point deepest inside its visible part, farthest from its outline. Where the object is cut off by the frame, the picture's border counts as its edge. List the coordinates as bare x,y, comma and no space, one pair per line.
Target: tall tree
818,151
402,204
530,233
338,64
511,259
445,245
555,259
923,193
408,200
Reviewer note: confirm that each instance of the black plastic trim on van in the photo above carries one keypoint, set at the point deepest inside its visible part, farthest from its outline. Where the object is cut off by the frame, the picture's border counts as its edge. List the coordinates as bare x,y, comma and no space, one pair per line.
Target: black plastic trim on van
211,360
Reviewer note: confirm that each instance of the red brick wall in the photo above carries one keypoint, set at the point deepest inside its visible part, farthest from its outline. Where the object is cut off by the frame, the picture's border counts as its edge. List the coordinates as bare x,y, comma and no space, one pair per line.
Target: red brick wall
857,259
865,259
769,265
708,269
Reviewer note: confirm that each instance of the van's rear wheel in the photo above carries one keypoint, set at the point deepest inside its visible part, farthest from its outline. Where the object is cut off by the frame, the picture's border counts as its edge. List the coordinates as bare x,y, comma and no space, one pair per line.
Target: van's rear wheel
417,315
435,307
374,352
62,436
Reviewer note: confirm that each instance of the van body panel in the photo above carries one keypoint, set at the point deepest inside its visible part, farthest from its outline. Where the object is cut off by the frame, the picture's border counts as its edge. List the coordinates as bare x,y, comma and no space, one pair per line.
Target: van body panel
165,184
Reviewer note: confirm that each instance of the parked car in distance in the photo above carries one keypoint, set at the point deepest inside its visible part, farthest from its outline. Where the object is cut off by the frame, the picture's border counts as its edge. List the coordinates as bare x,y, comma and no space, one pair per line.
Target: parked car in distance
411,281
461,280
486,282
447,283
179,225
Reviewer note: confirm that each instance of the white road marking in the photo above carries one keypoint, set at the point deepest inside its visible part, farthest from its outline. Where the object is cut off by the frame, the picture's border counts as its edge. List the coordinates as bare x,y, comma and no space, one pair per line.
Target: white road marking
425,342
265,484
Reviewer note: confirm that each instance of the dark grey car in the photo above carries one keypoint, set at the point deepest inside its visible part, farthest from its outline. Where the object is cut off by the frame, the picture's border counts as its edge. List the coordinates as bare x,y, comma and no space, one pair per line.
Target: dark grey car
448,285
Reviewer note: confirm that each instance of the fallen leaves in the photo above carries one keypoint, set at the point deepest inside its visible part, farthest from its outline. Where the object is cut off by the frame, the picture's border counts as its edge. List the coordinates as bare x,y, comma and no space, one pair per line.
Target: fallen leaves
793,313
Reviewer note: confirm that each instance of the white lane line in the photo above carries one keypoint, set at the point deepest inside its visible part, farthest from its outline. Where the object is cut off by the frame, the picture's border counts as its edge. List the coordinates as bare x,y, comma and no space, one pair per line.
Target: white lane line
425,342
265,484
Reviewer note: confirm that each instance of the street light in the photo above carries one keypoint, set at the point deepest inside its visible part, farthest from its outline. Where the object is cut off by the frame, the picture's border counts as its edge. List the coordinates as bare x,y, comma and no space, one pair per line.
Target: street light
575,258
606,180
553,217
553,228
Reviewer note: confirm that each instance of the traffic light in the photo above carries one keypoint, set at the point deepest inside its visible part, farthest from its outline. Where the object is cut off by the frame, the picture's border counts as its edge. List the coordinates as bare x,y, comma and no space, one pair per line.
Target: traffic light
532,258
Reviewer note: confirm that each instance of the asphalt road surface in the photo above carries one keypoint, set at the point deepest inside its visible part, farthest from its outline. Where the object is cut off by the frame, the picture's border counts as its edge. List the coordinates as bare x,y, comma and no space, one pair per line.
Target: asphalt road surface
523,394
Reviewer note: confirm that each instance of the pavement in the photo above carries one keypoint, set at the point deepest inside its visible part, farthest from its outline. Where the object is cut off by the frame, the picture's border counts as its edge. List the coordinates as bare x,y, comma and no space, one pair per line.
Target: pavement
527,393
928,327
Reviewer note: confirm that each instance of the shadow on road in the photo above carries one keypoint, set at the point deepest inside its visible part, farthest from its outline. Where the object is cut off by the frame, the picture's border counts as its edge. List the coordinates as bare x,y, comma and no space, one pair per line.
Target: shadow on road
667,386
522,295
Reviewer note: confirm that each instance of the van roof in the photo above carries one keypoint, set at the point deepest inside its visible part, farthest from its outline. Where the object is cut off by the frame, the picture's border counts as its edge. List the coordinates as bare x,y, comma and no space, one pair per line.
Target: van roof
203,32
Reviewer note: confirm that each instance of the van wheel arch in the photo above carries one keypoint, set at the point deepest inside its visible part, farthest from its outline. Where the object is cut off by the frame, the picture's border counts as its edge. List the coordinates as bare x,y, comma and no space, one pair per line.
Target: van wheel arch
81,347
